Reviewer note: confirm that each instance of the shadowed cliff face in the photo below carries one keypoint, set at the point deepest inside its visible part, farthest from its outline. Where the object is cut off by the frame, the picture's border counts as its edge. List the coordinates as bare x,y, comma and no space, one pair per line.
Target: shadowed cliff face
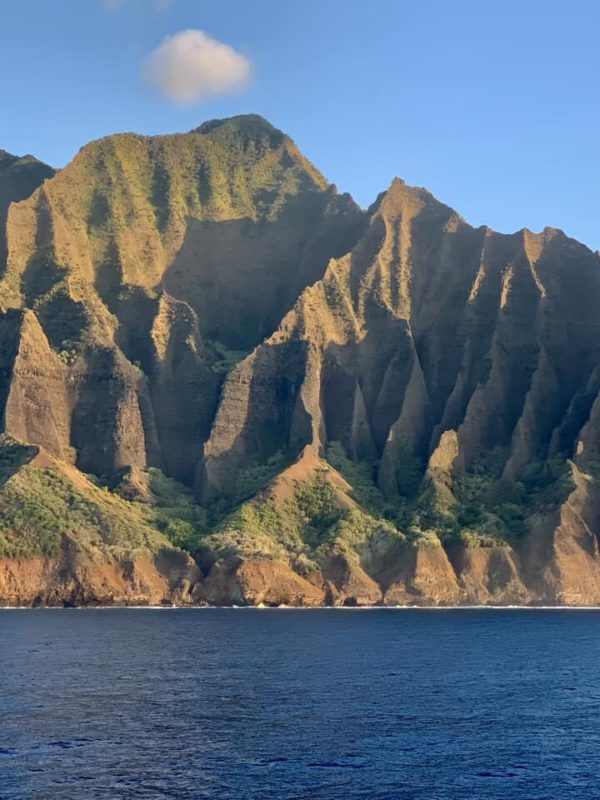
427,326
383,407
19,177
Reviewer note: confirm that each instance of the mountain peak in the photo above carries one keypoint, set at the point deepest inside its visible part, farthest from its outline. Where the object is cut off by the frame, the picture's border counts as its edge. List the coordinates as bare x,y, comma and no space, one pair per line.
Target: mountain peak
250,126
402,198
9,159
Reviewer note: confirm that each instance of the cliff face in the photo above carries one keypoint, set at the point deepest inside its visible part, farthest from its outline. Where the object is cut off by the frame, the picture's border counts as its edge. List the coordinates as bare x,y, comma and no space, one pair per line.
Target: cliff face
19,177
427,327
150,265
384,407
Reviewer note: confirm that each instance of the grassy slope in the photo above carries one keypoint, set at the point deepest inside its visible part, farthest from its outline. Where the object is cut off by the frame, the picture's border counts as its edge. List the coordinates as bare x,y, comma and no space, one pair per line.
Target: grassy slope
338,505
304,513
44,502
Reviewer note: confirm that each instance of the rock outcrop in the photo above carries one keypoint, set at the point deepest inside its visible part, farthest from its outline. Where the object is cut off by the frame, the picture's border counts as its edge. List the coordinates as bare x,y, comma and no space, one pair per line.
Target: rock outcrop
19,177
76,579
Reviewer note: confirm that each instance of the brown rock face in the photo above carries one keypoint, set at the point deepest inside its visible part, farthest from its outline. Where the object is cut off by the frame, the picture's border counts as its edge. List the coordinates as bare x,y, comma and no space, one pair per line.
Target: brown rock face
19,177
257,582
348,583
208,305
490,575
75,579
426,578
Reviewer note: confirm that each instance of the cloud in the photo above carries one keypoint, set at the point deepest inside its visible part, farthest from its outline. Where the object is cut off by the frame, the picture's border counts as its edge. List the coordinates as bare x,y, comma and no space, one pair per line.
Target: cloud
192,66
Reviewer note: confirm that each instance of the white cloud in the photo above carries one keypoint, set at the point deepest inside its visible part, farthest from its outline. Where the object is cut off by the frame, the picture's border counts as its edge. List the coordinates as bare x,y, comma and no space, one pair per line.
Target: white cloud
191,66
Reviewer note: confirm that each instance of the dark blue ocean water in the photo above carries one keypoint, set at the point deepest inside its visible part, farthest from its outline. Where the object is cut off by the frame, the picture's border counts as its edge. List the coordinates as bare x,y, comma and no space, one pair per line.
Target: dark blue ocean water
281,704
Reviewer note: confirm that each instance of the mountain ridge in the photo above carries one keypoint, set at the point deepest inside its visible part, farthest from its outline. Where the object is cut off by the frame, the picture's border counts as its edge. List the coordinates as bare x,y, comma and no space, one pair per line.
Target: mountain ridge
382,406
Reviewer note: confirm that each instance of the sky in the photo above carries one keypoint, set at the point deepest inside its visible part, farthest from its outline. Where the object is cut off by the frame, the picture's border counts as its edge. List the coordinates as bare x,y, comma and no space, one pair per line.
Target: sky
494,105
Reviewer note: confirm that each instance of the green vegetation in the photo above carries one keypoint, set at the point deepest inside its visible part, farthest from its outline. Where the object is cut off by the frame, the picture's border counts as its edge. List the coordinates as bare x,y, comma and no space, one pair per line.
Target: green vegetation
42,508
65,321
302,529
130,180
481,509
256,475
165,504
225,359
175,512
409,472
360,475
254,529
31,522
477,510
292,532
13,455
318,509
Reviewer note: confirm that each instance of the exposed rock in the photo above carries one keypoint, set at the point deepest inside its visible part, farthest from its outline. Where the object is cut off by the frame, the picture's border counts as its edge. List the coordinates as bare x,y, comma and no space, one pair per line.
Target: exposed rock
349,583
140,255
19,177
561,557
489,576
257,582
76,579
442,327
425,577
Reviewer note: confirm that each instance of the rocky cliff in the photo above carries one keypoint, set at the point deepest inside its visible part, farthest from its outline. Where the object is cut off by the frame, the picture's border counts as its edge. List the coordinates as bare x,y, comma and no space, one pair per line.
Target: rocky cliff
370,407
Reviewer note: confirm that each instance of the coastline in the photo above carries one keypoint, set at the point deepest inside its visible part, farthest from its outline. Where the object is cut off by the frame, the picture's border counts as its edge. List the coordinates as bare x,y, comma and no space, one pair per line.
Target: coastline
301,608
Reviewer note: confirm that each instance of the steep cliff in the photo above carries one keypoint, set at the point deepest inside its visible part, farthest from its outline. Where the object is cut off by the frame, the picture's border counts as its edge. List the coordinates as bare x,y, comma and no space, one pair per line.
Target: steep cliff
153,264
427,327
371,407
19,177
460,367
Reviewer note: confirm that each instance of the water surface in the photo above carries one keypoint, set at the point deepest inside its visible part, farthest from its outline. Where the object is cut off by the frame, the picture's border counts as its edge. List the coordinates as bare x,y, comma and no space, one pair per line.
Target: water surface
277,704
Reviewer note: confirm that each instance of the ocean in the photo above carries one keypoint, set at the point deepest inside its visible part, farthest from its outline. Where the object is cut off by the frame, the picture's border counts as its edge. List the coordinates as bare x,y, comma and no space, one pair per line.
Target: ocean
315,704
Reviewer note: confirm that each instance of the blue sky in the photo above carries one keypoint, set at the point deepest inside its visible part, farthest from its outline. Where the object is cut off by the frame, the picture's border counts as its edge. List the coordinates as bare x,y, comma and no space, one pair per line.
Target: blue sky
493,106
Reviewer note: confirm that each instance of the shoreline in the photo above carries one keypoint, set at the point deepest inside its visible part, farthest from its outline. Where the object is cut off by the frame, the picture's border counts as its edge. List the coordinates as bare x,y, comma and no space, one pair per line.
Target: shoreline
298,608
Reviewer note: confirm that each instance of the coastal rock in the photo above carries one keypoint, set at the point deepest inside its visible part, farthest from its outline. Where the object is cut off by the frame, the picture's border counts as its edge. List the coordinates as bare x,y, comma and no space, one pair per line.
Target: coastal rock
76,579
257,582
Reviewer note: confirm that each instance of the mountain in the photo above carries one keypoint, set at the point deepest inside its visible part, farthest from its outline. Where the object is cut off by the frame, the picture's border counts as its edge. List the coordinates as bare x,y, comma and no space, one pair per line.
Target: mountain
19,177
290,400
149,265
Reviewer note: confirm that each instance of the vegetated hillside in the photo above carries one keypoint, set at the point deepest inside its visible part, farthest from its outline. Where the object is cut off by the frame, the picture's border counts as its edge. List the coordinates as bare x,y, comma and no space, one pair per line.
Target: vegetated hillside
66,540
371,407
